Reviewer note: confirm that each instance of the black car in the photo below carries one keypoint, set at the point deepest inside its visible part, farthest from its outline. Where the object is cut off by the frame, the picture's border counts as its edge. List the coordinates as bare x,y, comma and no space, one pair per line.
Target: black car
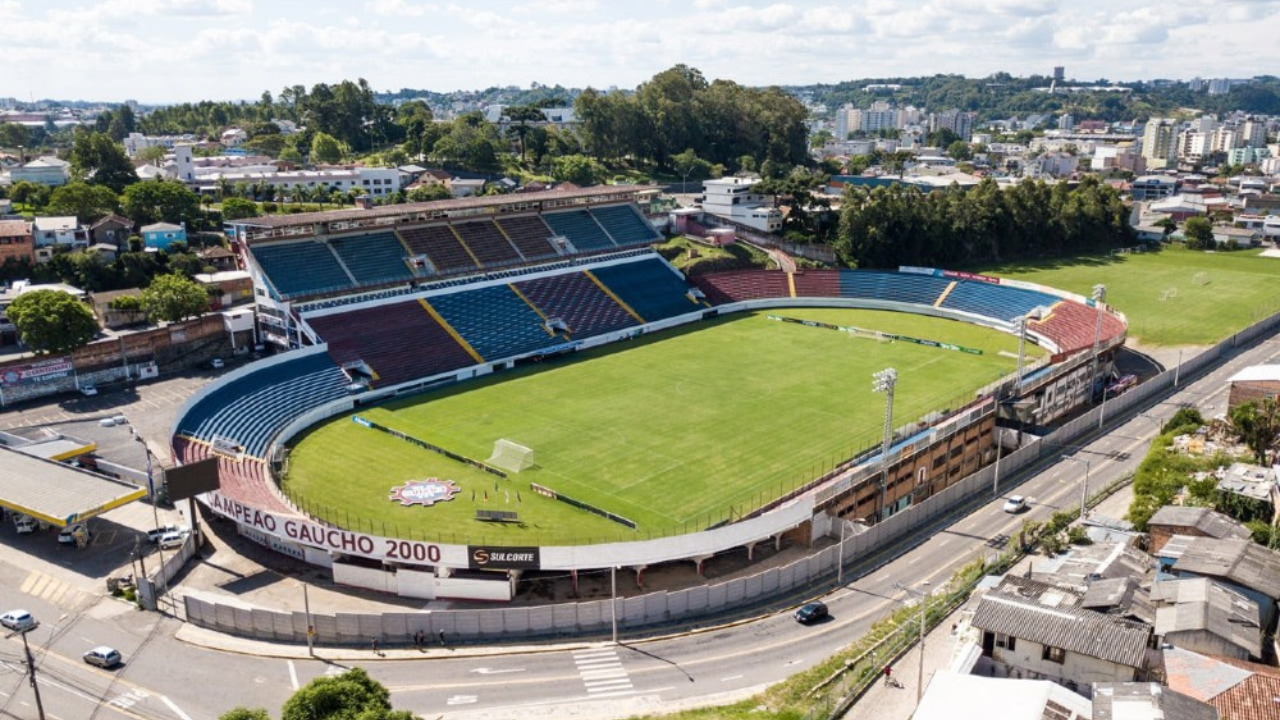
811,612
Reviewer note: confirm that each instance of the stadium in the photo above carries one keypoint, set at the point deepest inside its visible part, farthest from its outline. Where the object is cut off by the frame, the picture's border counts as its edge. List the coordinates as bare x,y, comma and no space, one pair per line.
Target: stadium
471,392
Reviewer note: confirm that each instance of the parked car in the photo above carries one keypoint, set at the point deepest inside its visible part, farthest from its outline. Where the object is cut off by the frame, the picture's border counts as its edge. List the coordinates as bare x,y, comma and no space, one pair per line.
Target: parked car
217,364
172,540
155,534
88,390
1015,504
811,612
104,657
71,533
1123,383
24,524
19,620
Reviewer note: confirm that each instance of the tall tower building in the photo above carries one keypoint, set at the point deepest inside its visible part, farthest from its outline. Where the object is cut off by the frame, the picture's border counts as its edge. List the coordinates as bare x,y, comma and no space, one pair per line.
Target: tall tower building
1160,143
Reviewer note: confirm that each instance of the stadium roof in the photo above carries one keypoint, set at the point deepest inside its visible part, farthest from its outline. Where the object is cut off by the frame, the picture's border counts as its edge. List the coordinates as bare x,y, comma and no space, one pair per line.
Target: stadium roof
441,206
57,493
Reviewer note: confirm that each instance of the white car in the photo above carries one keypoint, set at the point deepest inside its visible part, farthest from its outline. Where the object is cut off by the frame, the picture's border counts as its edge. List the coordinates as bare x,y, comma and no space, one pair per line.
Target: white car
217,364
88,390
19,620
155,534
24,524
1015,504
172,540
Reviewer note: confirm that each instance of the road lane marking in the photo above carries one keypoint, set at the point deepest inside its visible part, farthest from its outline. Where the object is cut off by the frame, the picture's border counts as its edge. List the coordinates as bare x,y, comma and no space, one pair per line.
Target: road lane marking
601,670
176,710
731,677
462,700
293,675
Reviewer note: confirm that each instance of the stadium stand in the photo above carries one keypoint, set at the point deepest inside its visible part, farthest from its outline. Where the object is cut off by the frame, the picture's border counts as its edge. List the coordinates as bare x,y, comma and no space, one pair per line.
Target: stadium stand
625,225
494,320
579,302
581,229
1071,325
487,243
247,482
529,234
995,301
253,408
648,287
897,287
441,246
737,285
373,259
817,283
399,341
301,268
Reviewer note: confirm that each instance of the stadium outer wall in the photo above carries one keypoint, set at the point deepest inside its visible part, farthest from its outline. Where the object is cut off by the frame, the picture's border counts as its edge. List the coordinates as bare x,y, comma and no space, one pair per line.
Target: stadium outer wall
426,570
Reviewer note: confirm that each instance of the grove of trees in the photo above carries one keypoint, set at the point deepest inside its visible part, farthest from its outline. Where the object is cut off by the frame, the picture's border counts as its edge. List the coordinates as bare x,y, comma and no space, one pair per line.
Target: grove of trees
51,321
902,225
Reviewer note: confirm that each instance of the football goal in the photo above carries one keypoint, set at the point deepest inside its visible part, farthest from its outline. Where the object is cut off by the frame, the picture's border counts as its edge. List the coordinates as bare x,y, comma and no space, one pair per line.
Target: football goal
510,456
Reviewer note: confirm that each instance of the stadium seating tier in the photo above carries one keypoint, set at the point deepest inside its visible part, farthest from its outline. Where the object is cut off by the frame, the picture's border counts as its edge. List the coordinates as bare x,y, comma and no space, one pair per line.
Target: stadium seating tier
301,268
373,259
578,301
494,320
581,229
398,341
648,287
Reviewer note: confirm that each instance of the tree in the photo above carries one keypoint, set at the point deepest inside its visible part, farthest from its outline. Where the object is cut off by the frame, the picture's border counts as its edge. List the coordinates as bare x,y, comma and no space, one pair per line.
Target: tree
1199,233
238,208
425,193
1257,423
522,115
97,159
353,695
243,713
86,202
153,154
325,149
51,321
174,297
578,169
959,150
161,200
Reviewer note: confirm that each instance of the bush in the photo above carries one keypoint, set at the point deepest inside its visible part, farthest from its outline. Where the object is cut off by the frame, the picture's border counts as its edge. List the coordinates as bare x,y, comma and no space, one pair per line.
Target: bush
1184,421
1076,536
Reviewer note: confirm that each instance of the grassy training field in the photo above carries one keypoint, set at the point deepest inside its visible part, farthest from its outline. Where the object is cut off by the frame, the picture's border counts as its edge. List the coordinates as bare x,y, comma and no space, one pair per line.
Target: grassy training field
1171,297
674,431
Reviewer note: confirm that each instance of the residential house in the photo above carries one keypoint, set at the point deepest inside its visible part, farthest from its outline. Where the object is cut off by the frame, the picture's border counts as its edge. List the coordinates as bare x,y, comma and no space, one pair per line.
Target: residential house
1122,597
218,258
1152,187
1173,520
1201,615
464,187
1242,565
161,235
57,232
1033,630
16,241
1254,383
1145,701
233,137
1085,564
106,251
1242,237
1253,483
111,230
113,318
1238,689
958,696
731,199
44,170
227,288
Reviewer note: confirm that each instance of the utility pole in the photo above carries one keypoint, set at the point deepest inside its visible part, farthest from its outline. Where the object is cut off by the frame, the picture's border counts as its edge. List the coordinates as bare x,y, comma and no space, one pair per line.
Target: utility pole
1099,297
31,673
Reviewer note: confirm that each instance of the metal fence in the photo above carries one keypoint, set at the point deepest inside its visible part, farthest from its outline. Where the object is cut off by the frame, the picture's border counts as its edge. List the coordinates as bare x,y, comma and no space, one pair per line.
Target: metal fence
657,609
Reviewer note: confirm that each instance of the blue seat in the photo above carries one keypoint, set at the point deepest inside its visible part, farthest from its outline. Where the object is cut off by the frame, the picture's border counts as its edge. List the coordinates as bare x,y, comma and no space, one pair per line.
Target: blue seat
650,287
252,409
581,229
494,321
301,268
897,287
1002,302
625,225
373,259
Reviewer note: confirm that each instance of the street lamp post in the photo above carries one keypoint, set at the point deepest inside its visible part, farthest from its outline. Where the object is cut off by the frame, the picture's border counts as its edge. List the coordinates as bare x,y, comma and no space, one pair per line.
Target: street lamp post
924,606
1177,370
1084,491
1102,409
155,516
1099,300
884,382
613,601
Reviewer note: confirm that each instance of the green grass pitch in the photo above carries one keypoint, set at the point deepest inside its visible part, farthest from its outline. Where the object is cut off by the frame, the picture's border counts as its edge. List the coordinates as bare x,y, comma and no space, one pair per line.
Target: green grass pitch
1172,297
675,431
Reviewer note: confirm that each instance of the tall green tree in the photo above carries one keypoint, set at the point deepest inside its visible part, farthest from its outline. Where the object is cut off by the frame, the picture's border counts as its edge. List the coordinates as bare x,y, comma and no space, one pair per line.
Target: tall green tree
239,208
51,321
353,695
1199,233
520,116
171,298
97,159
325,149
161,200
87,202
578,169
1257,423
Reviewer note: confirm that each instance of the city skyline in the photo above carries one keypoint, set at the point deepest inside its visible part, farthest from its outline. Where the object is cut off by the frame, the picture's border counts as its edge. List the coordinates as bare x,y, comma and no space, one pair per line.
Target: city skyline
168,51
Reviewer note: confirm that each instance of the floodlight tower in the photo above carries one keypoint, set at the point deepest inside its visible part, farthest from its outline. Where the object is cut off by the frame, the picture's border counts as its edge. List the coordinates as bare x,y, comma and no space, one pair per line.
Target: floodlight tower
884,382
1099,300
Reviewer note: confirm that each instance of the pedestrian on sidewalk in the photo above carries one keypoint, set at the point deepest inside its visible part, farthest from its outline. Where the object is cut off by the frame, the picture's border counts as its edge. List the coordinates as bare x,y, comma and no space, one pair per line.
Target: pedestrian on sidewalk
418,638
374,642
888,676
442,637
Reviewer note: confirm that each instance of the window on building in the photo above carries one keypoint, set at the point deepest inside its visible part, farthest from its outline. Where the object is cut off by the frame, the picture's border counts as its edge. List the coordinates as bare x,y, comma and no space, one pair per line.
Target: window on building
1054,654
1008,642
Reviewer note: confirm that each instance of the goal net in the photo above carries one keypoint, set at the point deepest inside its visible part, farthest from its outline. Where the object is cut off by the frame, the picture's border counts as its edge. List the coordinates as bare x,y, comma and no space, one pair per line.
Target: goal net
510,456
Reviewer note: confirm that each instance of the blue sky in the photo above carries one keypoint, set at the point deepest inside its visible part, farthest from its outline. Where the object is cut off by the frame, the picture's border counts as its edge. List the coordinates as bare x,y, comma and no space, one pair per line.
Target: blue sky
159,51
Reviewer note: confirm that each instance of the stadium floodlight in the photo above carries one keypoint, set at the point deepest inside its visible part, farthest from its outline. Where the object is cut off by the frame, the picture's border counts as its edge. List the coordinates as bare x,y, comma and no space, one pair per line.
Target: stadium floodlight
1034,313
1099,301
884,382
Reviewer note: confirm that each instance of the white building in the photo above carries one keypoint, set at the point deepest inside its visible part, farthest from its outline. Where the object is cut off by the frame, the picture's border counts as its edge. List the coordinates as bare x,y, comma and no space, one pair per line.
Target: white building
377,182
44,170
65,231
731,198
1160,143
137,142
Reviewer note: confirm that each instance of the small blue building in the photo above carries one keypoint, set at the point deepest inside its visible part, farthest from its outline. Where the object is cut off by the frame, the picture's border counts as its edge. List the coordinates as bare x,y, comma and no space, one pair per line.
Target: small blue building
160,235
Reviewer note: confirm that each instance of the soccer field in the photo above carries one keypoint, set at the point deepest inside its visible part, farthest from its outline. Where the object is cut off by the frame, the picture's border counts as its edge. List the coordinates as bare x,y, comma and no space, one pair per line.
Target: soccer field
1172,297
674,431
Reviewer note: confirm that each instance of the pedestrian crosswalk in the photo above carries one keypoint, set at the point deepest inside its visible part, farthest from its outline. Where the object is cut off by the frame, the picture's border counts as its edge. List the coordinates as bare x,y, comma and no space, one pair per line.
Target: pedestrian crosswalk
58,592
602,672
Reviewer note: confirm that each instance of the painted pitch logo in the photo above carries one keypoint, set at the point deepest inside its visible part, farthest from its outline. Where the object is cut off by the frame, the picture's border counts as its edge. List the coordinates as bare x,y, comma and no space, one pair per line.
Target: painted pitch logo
425,492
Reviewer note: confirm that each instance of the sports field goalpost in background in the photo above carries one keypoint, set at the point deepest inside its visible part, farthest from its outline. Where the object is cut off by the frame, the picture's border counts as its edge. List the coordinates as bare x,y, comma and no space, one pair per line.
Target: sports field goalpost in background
510,456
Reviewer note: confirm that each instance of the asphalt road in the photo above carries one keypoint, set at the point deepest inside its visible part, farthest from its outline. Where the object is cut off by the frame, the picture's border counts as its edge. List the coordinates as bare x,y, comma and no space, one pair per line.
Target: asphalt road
166,679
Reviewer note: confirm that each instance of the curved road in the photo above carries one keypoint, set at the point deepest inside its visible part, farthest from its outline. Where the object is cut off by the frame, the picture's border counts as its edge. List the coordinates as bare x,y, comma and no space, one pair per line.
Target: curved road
167,678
